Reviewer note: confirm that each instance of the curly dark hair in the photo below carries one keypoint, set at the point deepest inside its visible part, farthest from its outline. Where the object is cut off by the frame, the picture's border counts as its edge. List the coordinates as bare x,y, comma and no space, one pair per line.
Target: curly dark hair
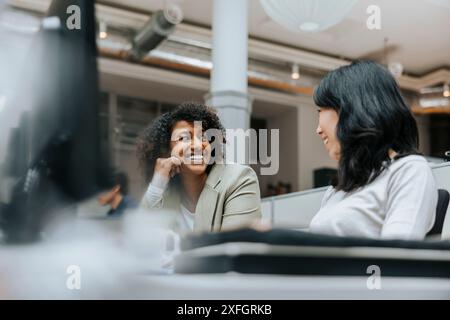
154,141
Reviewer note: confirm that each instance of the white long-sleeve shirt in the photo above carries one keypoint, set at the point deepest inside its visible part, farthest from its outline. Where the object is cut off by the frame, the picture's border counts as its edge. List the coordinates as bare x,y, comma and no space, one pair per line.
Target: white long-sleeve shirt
400,203
154,196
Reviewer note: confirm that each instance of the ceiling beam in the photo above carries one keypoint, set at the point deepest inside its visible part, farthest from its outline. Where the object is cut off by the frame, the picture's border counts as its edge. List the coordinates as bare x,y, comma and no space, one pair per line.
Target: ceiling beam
257,48
147,73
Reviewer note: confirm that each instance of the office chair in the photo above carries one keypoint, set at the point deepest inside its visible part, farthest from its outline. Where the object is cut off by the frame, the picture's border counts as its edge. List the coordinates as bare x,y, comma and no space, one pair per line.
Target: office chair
441,210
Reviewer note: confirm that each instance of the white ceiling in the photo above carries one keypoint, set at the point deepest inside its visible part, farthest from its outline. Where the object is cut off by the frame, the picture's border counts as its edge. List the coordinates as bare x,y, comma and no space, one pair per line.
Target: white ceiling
417,30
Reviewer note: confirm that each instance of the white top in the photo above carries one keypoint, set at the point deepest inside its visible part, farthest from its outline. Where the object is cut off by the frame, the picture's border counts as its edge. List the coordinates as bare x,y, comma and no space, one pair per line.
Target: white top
155,193
186,219
400,203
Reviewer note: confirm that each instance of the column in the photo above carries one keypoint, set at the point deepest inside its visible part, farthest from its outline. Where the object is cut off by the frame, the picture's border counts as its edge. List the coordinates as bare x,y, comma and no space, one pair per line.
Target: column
228,86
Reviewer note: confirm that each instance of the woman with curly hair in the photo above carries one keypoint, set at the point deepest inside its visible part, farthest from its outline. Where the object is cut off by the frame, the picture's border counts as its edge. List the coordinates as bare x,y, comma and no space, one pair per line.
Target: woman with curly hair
178,163
384,187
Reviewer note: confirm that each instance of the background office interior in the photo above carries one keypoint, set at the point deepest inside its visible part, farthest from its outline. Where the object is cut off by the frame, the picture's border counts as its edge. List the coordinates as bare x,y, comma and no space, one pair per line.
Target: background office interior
413,36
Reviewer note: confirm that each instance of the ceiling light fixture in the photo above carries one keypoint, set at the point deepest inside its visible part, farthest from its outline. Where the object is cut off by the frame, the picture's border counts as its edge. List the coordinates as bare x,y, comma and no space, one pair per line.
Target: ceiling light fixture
446,91
103,30
307,15
295,72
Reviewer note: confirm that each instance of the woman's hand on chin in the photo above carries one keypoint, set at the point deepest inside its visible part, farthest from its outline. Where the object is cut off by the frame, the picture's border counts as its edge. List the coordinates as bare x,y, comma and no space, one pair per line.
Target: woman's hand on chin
166,168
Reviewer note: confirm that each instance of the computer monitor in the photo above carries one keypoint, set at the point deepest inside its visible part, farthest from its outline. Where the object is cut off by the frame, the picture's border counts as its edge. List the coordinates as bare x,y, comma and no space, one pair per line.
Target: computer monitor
54,153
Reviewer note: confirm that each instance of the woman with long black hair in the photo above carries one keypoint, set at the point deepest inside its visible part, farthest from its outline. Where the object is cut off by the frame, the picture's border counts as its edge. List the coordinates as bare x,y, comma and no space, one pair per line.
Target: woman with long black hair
384,187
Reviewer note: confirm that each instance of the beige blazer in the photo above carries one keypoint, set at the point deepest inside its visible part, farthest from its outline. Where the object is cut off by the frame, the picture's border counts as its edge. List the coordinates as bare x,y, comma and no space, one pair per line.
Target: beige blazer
229,200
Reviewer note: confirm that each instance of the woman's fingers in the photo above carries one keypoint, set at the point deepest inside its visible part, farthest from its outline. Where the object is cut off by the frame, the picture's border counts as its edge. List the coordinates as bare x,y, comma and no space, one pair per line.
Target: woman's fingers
175,165
168,167
165,166
175,171
176,161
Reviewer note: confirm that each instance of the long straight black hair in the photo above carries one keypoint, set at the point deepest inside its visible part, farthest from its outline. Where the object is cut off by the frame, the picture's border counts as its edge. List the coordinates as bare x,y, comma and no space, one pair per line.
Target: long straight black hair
373,118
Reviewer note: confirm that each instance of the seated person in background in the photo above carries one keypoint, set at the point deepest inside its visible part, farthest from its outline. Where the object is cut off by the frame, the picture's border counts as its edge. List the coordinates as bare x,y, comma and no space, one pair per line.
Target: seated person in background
117,198
176,159
384,187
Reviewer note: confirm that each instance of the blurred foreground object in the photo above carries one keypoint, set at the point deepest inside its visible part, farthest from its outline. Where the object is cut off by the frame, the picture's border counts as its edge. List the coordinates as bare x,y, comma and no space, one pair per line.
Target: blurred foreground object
53,156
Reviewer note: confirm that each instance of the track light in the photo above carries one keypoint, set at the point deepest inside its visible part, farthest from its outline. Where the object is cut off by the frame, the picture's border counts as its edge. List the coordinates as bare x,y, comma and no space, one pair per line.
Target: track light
295,72
103,30
446,90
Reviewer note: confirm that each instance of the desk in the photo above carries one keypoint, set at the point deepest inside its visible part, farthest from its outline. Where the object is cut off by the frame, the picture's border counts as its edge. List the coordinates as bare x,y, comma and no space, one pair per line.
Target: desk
230,286
111,271
247,287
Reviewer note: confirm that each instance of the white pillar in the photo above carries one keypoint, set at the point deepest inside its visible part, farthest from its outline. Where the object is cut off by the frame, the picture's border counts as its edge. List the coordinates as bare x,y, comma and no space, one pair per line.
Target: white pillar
228,91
